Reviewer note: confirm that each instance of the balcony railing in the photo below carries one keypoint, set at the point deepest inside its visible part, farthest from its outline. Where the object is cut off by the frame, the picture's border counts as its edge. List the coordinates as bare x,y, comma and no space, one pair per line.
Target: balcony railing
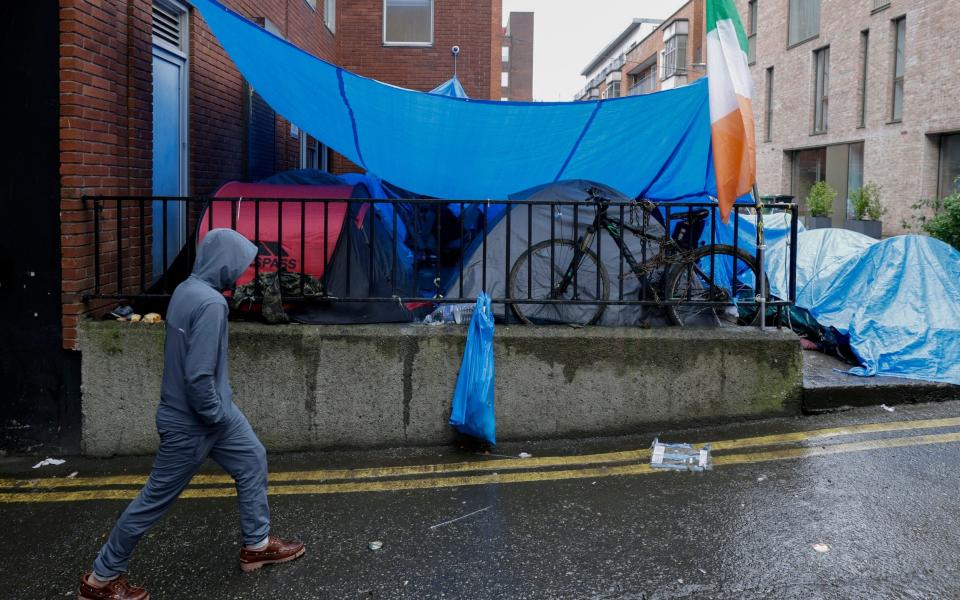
644,86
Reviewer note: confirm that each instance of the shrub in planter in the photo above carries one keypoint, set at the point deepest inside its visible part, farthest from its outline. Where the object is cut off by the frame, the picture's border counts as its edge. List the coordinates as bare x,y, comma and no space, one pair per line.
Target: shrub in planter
867,211
945,222
820,204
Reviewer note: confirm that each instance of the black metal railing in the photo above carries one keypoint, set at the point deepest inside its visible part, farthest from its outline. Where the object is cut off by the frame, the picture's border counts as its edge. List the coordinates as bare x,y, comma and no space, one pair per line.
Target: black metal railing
131,263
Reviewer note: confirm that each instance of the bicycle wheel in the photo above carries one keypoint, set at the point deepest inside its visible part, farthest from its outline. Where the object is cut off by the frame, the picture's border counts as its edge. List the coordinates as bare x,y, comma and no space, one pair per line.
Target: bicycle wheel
537,275
716,274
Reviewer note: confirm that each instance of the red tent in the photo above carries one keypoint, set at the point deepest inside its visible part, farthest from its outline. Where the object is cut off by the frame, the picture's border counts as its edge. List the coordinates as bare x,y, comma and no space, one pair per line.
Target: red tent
307,229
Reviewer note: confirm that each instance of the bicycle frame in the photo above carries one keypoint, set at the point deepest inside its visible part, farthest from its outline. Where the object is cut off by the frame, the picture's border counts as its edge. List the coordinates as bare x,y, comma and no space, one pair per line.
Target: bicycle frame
615,228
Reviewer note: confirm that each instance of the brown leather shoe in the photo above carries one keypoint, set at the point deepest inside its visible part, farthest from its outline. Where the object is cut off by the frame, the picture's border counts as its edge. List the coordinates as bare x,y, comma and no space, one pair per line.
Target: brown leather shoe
277,551
118,589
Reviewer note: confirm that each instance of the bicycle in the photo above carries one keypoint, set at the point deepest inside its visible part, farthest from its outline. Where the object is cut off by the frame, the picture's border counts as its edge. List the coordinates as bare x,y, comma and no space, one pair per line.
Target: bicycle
564,281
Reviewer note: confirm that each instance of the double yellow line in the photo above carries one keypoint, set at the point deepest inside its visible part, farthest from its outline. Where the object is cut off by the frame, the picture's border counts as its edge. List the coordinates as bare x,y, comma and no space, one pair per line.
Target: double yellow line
518,470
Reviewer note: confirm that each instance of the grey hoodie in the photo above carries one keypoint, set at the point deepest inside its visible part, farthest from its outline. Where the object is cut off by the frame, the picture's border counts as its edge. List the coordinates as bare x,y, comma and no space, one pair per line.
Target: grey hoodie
195,394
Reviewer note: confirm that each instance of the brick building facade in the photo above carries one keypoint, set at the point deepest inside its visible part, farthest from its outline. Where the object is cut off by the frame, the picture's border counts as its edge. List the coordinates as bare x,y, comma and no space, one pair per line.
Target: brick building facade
831,100
912,150
516,79
125,66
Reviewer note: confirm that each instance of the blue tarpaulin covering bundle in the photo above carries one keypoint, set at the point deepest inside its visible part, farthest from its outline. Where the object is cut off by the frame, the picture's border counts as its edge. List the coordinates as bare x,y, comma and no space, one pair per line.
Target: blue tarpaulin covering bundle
897,301
655,146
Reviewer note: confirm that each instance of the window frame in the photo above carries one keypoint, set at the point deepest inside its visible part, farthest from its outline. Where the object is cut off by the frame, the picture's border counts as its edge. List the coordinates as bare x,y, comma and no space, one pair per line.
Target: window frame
433,6
813,36
330,16
942,142
821,91
768,115
898,80
752,32
864,75
669,57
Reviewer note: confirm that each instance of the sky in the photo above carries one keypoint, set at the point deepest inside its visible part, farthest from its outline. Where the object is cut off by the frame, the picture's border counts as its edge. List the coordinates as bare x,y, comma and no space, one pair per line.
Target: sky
568,34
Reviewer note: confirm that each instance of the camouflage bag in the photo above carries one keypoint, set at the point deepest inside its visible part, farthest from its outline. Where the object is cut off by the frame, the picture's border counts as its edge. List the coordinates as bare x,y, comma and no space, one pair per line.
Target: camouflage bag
275,287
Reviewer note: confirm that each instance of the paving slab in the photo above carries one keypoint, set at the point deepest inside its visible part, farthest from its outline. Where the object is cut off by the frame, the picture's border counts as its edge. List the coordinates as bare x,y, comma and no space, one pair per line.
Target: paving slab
827,386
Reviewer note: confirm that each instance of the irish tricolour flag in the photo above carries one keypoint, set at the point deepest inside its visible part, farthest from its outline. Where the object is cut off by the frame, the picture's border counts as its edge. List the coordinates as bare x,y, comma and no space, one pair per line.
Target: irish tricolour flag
731,111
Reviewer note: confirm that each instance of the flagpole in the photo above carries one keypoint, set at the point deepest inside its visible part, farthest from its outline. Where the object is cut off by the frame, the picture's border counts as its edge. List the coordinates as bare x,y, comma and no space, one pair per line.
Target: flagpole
761,247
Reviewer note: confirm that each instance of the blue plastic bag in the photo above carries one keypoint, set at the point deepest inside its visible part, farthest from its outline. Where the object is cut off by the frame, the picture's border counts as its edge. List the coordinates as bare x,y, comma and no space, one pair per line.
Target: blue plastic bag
473,412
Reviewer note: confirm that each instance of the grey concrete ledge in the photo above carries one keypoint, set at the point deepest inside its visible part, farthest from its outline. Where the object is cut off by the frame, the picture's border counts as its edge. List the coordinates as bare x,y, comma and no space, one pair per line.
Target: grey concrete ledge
827,388
310,387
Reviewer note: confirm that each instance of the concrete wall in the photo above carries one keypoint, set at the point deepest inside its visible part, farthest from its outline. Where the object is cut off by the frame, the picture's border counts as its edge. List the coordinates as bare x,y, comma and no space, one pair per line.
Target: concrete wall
313,387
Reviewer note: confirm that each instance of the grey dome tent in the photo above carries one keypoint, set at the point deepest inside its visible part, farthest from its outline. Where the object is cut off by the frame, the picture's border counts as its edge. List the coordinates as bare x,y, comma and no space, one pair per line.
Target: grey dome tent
539,227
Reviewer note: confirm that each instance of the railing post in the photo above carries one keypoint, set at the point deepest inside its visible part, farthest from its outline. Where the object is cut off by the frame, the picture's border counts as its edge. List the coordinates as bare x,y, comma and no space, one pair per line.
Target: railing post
761,247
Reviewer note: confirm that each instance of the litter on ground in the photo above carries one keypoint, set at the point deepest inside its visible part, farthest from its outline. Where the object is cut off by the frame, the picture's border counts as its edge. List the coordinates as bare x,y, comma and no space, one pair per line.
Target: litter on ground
680,457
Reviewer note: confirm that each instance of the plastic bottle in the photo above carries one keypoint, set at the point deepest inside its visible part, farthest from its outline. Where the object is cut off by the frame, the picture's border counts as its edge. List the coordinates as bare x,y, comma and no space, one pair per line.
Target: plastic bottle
451,313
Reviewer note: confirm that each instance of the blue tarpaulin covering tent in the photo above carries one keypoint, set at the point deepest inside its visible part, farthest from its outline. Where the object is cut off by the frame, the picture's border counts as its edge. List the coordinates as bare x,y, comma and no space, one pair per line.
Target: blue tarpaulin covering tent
451,87
656,146
897,301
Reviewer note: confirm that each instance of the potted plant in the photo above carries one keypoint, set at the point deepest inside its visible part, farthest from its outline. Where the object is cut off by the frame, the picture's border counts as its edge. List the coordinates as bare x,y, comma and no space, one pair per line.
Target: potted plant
867,211
820,204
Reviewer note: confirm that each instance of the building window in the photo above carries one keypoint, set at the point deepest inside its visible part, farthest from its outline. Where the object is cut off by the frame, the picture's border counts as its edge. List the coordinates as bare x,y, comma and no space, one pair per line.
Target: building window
505,53
311,3
613,90
864,64
504,79
899,66
821,59
809,167
752,32
768,117
675,49
804,21
854,173
949,165
313,154
330,15
408,22
272,27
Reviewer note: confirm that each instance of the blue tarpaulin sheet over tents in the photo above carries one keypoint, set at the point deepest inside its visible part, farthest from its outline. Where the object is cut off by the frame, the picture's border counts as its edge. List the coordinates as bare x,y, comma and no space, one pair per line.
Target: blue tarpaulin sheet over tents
656,146
897,301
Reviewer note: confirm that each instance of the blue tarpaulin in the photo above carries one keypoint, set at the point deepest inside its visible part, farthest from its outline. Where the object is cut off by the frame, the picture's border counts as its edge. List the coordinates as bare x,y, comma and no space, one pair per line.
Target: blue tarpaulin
451,87
655,146
897,301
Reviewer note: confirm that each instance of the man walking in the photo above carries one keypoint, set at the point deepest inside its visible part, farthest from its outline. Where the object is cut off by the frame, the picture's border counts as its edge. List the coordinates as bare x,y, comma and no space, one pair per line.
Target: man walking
196,419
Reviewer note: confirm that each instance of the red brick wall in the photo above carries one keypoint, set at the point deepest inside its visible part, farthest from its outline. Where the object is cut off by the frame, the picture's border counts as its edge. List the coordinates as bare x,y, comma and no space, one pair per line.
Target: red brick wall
217,93
465,23
105,133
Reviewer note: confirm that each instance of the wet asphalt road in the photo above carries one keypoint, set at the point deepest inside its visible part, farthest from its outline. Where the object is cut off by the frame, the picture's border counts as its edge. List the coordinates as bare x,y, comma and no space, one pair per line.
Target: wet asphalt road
883,499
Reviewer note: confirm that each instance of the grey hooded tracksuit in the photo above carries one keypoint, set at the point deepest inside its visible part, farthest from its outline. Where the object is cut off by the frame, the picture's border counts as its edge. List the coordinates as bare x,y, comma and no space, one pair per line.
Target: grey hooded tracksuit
197,417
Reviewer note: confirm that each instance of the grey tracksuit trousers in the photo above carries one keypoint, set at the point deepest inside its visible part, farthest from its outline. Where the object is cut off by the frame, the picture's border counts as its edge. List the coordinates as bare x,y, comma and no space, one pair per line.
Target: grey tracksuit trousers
234,447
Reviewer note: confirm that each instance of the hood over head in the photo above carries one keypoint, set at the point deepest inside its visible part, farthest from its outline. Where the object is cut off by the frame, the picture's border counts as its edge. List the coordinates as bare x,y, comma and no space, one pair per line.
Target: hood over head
222,257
